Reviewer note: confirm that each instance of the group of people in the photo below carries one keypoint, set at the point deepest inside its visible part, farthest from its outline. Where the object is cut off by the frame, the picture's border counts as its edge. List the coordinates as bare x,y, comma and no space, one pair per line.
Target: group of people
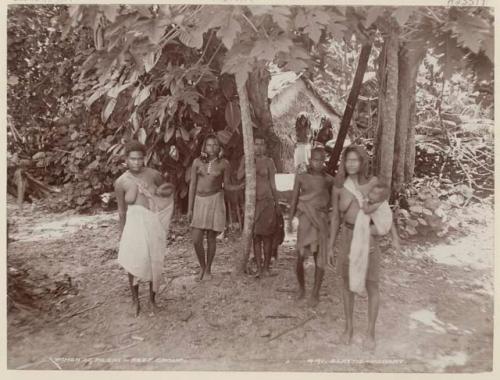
350,210
307,138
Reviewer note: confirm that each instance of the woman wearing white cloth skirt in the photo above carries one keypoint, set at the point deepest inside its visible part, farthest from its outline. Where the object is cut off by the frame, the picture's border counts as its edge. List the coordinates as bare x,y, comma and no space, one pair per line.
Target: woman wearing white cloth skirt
145,206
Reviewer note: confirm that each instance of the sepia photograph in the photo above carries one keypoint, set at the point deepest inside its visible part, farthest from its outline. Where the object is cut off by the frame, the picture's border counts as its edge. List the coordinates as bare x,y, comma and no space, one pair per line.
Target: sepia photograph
243,187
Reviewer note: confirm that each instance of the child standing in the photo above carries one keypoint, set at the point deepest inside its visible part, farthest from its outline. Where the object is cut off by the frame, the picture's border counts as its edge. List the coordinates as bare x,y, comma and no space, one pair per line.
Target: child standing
311,199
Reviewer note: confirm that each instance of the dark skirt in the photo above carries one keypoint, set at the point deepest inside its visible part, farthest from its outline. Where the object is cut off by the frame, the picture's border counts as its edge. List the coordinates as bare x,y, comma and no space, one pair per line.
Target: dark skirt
265,217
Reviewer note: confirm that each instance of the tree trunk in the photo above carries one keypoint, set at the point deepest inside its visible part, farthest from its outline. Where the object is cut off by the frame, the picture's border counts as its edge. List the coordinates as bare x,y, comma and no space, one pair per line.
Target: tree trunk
349,108
409,167
388,103
258,96
250,180
408,64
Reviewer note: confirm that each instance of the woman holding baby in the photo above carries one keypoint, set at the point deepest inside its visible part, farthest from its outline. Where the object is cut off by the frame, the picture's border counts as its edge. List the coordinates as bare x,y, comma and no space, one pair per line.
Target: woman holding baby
360,214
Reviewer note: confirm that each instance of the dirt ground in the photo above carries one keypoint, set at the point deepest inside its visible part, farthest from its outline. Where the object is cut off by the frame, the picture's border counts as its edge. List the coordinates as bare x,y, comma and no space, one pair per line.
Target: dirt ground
436,311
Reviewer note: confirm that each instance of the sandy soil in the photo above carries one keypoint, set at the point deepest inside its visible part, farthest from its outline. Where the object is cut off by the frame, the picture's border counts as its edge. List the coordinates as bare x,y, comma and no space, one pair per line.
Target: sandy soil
436,310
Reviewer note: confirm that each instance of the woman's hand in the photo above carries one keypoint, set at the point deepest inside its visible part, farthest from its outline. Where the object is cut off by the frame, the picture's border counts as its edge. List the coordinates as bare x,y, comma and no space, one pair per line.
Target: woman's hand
165,190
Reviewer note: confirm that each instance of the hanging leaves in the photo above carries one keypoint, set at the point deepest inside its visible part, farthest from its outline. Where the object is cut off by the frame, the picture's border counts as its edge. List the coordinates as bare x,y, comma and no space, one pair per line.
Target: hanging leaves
184,134
108,109
115,91
96,95
224,136
227,86
151,60
135,121
233,115
142,135
169,133
143,95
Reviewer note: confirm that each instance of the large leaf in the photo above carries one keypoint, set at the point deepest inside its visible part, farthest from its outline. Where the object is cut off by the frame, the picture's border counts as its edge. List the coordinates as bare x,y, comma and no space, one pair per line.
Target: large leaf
488,45
115,91
266,50
470,31
224,136
233,115
227,86
143,95
110,11
192,38
108,110
373,14
154,29
402,14
184,134
263,50
337,30
282,17
228,32
151,60
296,65
135,121
95,96
169,133
142,135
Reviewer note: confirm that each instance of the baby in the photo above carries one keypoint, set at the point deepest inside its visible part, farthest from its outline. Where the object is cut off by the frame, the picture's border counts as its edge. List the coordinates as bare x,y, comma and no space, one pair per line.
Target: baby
377,206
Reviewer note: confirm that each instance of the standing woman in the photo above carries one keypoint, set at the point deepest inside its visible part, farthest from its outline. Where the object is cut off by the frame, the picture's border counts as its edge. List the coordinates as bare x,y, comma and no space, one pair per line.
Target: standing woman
302,152
354,169
266,206
145,206
210,176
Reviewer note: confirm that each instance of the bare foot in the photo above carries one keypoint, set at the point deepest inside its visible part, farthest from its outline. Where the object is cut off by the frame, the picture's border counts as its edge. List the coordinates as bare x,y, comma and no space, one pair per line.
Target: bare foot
136,308
369,343
313,301
209,275
154,307
200,275
346,337
301,294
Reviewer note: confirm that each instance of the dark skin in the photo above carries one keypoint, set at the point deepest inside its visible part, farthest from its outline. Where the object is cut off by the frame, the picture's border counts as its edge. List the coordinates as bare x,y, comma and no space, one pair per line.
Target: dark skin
205,183
127,194
305,185
264,242
346,208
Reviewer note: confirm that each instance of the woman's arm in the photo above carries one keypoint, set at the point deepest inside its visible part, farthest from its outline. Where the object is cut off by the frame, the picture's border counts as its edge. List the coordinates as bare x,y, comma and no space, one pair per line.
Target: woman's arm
272,179
295,196
227,179
334,222
122,205
370,208
395,239
193,182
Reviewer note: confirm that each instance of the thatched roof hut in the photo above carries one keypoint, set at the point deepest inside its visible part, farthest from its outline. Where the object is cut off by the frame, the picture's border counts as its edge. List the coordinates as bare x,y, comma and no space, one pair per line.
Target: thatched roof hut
290,95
